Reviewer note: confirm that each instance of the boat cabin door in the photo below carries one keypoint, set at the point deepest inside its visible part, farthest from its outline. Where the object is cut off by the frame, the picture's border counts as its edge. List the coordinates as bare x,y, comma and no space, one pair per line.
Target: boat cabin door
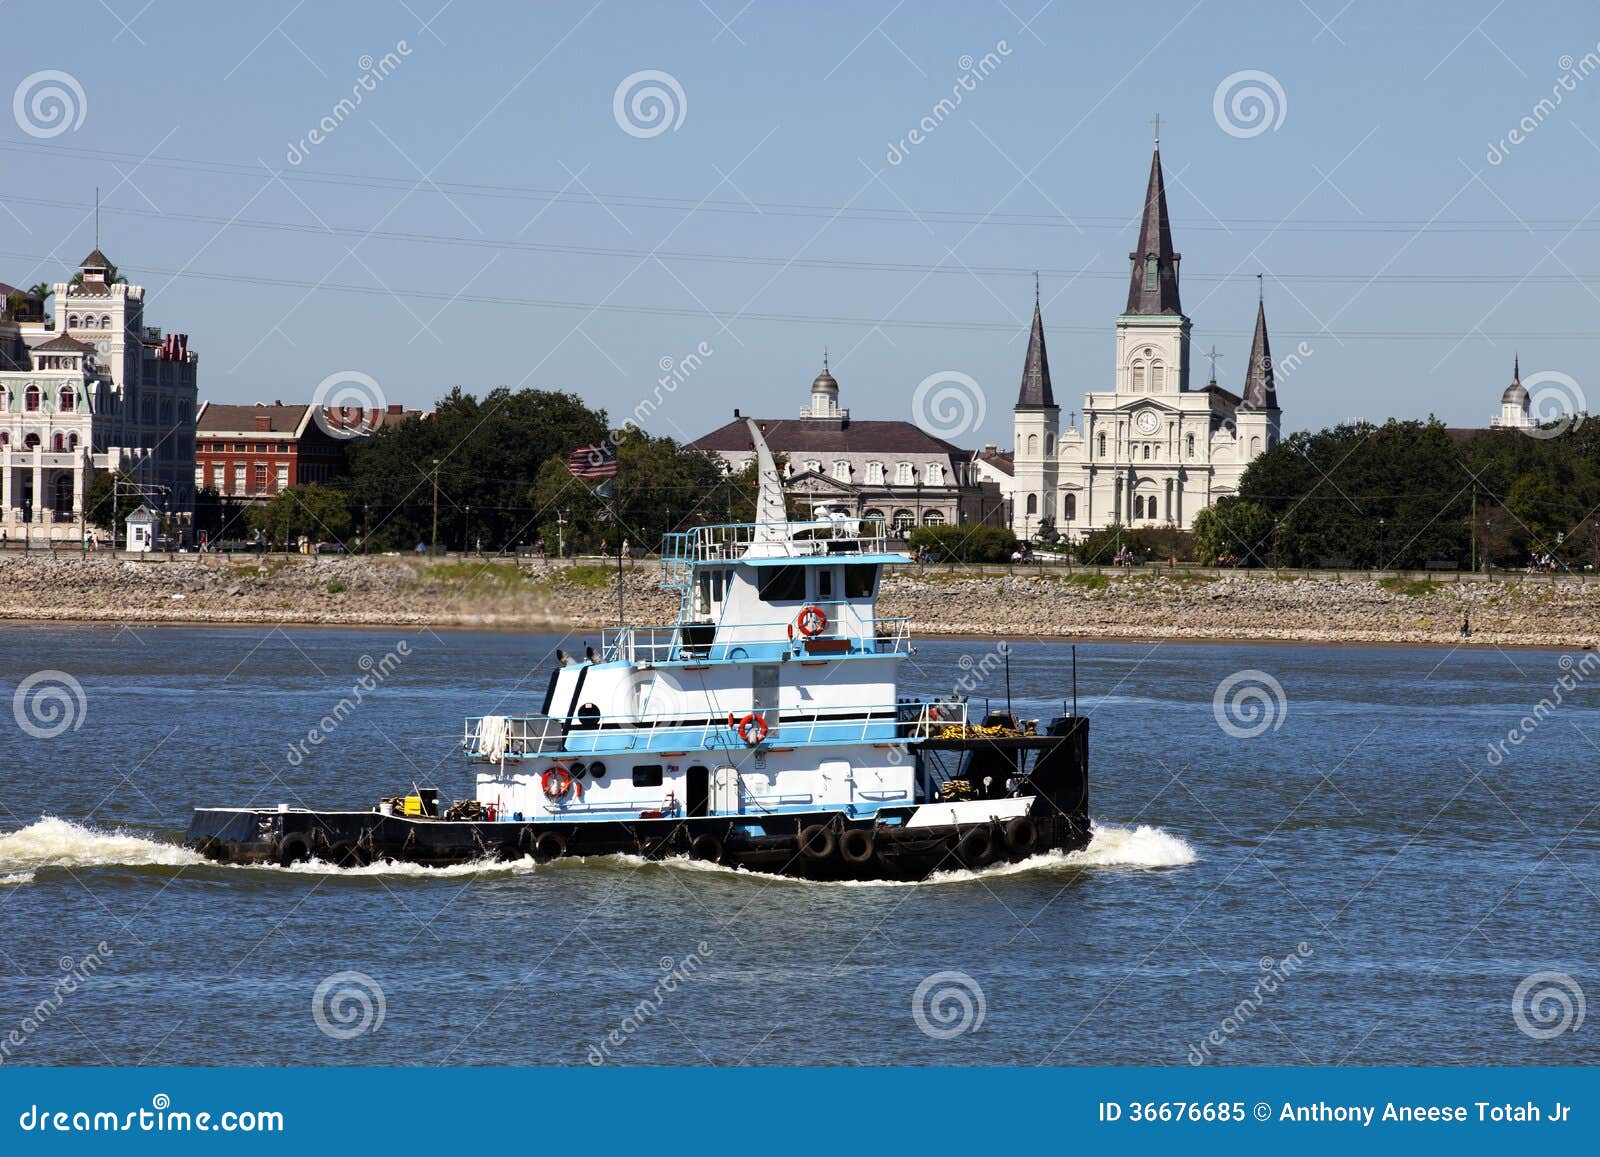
725,791
764,695
697,790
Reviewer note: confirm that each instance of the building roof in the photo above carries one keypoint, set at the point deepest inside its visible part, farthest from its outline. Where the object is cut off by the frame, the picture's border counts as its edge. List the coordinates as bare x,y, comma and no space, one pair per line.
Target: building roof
215,418
1260,388
62,343
802,436
1516,393
1035,391
1005,463
1155,240
95,260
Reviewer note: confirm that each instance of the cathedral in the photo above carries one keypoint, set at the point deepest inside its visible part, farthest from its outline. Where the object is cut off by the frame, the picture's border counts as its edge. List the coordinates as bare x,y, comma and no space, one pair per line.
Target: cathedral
1151,451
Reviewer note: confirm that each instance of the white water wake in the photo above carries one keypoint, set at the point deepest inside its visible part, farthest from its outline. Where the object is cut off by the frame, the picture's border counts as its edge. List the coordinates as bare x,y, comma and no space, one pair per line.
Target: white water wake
56,843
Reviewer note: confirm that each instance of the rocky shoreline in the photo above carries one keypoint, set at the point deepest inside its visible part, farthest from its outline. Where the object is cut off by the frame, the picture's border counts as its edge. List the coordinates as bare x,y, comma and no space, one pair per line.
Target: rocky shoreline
1134,604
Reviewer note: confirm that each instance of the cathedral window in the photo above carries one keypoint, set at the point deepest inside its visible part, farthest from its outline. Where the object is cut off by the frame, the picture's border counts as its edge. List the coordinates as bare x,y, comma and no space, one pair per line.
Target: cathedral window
1255,446
1138,377
1147,451
1102,445
1033,445
1049,446
1138,506
903,474
1033,504
1189,445
935,475
874,473
1069,507
1150,272
1151,510
1158,377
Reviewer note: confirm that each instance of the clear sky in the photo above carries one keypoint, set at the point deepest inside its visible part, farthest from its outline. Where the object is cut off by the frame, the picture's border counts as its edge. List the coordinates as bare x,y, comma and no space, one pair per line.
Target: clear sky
484,217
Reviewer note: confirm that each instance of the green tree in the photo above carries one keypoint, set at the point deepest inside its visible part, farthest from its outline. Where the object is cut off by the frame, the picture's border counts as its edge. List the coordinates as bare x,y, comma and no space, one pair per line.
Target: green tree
1235,530
320,513
972,542
97,499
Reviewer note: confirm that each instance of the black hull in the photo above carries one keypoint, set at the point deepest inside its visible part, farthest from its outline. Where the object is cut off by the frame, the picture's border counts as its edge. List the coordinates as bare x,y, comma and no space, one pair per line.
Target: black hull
815,846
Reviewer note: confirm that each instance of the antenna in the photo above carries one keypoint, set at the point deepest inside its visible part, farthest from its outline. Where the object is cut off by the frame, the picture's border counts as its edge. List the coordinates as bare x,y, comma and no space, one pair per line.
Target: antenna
97,216
1261,293
1036,288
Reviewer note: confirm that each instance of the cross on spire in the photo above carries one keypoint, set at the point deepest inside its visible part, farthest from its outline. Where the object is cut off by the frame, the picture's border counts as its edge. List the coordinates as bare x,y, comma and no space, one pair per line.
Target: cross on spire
1157,122
1212,355
1035,287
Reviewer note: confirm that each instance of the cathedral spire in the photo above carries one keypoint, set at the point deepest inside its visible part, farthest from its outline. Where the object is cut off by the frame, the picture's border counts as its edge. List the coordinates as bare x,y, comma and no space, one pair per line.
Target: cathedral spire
1260,390
1153,283
1035,390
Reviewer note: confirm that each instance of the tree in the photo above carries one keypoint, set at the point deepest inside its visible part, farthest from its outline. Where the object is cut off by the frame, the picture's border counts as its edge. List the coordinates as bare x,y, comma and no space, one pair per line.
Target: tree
97,499
1235,529
318,512
973,542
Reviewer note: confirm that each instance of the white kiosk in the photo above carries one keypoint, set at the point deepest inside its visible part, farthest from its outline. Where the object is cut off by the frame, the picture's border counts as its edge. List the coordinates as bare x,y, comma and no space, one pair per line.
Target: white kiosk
141,526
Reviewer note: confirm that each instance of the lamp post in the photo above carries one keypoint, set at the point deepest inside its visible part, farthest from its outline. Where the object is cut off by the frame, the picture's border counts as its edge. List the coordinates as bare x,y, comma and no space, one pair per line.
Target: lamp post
433,540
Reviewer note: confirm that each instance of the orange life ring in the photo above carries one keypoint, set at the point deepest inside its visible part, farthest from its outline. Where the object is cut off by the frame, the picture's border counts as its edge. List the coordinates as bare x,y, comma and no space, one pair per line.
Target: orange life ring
811,621
752,729
563,781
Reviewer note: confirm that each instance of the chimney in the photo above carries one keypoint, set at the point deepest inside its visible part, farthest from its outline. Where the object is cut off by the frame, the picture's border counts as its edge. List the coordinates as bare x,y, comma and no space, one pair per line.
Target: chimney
263,422
990,448
396,408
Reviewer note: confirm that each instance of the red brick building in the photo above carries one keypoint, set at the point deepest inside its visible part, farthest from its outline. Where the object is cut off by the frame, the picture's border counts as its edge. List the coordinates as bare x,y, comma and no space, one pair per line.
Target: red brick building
253,452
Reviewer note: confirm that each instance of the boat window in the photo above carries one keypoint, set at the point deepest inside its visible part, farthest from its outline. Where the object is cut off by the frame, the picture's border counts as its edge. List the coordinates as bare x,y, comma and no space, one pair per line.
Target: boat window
597,770
782,584
825,583
859,580
647,775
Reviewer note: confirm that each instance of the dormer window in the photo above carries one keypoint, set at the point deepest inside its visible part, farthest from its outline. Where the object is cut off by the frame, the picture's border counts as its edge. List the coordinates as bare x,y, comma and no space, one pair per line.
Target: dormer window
935,475
814,466
874,473
903,475
841,471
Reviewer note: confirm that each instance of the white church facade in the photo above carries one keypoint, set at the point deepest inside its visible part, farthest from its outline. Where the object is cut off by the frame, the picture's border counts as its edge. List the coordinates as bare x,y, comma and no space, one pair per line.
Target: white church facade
1151,451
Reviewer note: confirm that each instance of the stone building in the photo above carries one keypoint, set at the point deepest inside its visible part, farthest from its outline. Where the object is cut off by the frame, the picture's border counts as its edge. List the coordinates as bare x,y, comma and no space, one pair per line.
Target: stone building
1151,450
90,389
891,470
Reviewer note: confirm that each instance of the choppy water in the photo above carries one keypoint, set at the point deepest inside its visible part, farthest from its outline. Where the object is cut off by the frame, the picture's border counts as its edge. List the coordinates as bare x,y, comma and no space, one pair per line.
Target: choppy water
1359,883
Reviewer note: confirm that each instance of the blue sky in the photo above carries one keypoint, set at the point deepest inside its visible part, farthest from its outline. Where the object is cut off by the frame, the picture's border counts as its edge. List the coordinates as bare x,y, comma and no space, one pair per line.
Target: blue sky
464,222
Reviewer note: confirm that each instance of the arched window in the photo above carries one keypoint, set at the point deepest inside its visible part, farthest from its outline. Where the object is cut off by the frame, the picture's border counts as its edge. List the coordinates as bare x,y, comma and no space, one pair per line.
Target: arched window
935,475
1189,445
904,520
105,321
1138,506
1049,446
58,443
841,470
63,496
72,442
5,437
1147,451
69,400
1102,445
1158,377
933,518
1069,507
872,514
72,321
903,475
1033,445
30,441
1255,446
1033,504
1152,509
875,476
30,398
1138,377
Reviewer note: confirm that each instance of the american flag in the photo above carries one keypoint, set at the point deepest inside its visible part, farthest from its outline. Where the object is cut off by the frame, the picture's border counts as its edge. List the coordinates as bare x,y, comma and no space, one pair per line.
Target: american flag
592,462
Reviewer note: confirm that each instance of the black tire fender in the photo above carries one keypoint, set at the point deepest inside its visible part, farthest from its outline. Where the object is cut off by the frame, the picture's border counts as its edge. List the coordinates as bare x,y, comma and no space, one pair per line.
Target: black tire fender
706,847
856,846
1022,835
976,847
292,849
549,846
816,842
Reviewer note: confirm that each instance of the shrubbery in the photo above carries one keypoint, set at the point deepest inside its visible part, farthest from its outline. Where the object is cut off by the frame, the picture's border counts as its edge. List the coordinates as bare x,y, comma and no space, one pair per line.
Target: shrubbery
970,543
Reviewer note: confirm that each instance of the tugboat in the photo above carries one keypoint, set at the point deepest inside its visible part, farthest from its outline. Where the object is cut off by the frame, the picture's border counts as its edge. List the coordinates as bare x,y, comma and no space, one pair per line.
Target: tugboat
762,730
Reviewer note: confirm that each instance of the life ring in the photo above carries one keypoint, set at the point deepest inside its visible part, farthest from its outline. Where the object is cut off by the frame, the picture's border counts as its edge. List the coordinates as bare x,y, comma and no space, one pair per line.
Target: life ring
557,782
811,622
817,842
856,846
1022,835
752,729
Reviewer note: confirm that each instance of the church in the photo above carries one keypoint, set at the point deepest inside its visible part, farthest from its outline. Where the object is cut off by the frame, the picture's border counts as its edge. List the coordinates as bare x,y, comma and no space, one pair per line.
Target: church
1152,451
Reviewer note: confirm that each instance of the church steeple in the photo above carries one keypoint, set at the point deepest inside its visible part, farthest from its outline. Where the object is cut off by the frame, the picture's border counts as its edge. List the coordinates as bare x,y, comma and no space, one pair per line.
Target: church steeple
1035,390
1260,390
1153,281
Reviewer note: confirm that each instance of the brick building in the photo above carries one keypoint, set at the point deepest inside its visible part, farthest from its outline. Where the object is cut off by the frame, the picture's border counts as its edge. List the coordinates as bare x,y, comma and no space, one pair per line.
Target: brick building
253,452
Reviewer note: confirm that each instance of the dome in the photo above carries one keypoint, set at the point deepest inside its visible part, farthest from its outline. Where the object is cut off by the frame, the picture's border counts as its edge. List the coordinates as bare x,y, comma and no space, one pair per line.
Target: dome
1516,394
824,381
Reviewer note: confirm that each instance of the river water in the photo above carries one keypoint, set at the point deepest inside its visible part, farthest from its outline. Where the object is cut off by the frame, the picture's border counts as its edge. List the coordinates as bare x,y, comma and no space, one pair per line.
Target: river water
1338,858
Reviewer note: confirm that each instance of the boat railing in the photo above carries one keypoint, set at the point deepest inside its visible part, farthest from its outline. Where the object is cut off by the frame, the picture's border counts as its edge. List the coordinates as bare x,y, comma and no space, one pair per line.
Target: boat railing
733,541
499,738
711,642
